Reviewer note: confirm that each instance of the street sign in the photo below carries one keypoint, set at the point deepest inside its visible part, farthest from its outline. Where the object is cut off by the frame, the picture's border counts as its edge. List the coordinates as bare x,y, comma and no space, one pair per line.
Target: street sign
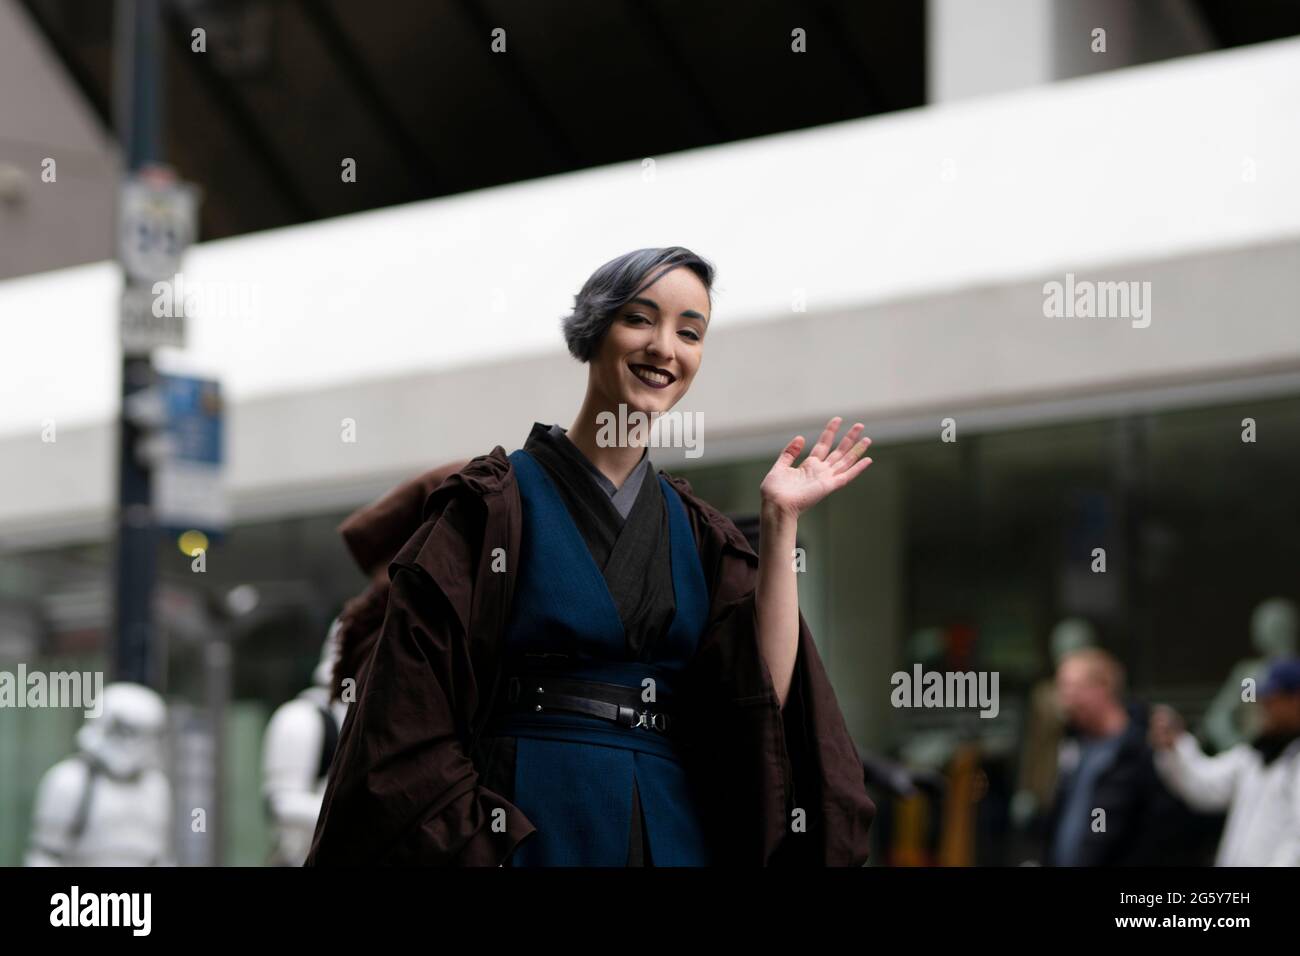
157,222
188,490
142,329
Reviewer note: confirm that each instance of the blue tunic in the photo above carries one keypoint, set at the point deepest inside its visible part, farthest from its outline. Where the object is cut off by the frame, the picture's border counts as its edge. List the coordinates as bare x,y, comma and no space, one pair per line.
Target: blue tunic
574,775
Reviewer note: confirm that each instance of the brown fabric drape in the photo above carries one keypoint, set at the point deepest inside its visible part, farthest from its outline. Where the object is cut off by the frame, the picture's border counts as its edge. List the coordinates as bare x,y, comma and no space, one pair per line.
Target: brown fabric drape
404,789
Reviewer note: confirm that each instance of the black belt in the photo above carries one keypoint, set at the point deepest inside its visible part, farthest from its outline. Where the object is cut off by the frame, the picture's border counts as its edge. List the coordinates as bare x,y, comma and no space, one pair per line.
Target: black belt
540,692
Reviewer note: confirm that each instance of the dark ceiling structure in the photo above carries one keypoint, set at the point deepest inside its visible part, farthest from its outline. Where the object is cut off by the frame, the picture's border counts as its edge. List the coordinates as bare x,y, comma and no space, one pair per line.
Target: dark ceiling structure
413,92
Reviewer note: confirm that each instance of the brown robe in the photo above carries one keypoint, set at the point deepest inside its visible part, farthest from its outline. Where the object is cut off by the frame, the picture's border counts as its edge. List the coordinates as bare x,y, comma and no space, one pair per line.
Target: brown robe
403,788
373,535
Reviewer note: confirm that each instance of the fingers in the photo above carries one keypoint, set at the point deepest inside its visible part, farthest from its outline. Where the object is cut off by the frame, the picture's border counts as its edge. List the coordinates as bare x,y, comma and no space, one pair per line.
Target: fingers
823,445
850,448
791,451
853,472
844,459
850,461
1166,726
845,443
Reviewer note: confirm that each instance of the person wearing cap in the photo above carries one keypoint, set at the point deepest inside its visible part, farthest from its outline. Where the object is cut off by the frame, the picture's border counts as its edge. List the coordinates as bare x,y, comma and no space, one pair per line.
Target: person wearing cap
1257,783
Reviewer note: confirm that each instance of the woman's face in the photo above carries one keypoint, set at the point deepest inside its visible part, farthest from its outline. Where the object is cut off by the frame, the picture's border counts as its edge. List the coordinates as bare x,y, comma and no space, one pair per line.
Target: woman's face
652,350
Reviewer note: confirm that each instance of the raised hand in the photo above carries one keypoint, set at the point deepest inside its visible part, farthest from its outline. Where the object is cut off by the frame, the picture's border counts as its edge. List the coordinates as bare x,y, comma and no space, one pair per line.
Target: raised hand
793,490
1166,726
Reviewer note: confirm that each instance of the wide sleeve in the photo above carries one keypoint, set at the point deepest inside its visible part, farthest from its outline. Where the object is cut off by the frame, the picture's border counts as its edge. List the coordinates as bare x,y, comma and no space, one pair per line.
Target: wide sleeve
826,768
401,789
810,803
783,785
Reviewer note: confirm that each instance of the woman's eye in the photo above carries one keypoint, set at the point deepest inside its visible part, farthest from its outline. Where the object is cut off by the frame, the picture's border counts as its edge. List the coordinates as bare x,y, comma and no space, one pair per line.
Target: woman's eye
695,336
636,315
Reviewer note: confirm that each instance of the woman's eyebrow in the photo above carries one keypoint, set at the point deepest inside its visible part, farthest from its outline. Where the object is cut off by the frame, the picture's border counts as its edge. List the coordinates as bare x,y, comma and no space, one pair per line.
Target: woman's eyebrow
651,303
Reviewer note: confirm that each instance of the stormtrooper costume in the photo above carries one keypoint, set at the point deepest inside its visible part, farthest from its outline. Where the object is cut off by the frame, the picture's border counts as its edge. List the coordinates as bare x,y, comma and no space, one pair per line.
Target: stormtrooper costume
109,804
296,754
1273,633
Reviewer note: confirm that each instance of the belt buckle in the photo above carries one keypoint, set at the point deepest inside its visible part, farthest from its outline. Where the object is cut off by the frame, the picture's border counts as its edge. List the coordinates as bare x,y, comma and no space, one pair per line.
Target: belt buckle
651,721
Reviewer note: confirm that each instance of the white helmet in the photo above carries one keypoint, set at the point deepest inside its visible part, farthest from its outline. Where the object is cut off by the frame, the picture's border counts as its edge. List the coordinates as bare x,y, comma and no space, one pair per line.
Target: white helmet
1273,627
127,736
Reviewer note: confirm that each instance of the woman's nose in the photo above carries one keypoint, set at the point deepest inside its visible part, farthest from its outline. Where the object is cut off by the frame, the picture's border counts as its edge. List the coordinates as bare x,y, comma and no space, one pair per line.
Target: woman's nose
661,342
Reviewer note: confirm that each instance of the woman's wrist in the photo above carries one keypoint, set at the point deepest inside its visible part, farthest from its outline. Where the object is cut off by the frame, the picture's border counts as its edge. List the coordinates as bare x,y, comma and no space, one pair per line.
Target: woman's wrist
775,517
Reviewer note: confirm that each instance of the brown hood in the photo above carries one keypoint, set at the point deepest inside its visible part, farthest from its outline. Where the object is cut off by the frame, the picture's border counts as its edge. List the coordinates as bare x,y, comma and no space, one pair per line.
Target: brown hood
375,533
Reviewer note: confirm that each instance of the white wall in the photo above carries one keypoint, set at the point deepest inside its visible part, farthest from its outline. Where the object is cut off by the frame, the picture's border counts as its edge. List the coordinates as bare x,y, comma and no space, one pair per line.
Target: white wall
975,49
924,292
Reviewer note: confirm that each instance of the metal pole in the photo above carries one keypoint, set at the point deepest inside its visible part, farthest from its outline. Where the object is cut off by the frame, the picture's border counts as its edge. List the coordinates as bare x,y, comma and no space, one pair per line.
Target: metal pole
217,664
137,102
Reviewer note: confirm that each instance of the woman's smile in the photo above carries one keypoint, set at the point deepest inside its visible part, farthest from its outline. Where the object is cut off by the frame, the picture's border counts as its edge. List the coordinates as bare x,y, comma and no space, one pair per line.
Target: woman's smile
652,376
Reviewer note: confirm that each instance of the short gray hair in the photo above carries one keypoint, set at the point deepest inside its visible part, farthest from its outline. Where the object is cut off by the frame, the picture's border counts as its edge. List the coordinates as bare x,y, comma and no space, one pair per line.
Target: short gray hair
615,284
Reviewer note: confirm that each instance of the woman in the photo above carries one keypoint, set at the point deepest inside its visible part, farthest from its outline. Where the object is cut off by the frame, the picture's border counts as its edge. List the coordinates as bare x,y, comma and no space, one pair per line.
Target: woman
581,663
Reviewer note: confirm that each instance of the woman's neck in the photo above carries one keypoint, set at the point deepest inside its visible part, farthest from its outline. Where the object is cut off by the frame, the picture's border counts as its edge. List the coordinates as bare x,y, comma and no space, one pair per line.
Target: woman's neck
615,462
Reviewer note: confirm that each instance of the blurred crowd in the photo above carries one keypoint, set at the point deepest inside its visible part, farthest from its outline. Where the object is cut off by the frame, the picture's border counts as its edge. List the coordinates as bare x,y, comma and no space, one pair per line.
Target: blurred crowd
1104,779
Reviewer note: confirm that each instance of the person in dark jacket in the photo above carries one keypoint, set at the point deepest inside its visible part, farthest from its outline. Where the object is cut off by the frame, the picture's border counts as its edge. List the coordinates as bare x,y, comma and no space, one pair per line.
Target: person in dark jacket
1110,807
583,663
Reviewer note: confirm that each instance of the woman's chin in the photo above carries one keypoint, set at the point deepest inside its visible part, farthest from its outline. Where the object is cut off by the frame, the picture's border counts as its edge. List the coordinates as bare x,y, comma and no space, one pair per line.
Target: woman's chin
647,404
639,398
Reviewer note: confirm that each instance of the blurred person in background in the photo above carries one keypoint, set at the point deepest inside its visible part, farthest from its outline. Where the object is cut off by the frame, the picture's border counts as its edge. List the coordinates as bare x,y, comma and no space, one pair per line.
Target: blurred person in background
1258,783
110,804
1043,727
1110,808
296,755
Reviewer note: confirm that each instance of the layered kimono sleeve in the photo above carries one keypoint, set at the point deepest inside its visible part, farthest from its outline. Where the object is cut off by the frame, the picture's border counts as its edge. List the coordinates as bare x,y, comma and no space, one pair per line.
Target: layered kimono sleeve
402,789
826,768
792,775
810,805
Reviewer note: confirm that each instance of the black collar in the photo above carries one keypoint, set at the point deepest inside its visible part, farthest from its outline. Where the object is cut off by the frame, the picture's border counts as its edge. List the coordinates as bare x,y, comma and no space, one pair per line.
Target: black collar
1270,746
